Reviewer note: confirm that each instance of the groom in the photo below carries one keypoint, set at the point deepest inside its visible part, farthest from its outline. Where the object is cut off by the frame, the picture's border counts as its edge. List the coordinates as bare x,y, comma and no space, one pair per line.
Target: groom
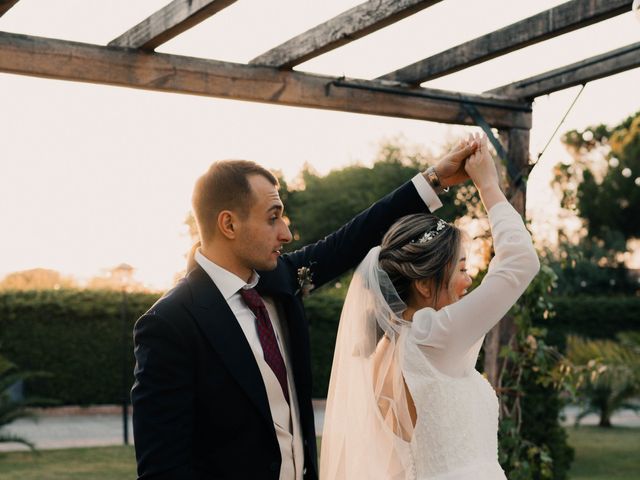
223,373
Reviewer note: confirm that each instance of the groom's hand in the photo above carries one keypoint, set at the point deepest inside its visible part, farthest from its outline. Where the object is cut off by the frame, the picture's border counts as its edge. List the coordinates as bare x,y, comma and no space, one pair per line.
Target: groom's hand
450,168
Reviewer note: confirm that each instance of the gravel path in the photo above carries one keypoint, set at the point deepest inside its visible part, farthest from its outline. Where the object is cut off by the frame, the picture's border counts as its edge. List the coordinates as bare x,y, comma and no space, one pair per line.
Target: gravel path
77,427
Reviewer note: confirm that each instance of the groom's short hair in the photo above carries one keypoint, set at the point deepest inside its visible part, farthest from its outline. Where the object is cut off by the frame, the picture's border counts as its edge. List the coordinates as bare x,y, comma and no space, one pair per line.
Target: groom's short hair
225,186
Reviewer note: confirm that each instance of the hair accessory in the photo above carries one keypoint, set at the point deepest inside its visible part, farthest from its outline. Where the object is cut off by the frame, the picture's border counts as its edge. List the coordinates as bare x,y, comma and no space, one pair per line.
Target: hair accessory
431,234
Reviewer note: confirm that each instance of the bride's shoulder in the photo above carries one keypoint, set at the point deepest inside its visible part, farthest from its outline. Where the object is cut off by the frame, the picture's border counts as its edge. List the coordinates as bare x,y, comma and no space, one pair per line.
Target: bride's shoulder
428,325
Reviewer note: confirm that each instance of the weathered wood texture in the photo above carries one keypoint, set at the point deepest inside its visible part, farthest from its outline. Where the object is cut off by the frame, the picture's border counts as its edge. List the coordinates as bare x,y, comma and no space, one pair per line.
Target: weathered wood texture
168,22
346,27
5,5
545,25
516,141
593,68
51,58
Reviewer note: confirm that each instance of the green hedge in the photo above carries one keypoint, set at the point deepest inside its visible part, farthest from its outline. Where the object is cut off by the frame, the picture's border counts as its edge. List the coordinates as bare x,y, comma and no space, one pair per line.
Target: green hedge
592,316
76,335
323,313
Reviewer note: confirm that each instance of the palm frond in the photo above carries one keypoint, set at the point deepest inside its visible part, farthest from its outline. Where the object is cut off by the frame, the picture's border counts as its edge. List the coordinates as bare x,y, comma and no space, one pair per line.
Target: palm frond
588,410
11,438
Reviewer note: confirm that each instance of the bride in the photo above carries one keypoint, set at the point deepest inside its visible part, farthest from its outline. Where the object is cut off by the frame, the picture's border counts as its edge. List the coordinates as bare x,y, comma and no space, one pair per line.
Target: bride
405,400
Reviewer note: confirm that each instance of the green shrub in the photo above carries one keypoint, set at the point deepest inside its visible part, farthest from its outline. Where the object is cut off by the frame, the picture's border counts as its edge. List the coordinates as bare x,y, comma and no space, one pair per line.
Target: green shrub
594,317
76,336
541,407
11,409
617,382
323,312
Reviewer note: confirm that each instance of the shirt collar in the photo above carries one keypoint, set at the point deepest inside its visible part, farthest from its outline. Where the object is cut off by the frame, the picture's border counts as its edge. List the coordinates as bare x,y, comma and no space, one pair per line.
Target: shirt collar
227,282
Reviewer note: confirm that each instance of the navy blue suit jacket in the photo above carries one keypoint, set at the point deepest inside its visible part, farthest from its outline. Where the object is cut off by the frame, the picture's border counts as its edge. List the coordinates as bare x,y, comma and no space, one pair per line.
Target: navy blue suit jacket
200,408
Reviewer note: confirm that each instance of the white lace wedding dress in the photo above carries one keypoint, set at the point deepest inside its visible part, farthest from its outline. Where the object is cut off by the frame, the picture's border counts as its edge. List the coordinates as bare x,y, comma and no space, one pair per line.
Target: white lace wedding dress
455,435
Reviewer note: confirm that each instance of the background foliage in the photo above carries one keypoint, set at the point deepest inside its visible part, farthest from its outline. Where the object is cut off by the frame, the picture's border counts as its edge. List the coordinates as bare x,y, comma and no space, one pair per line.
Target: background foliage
328,202
618,378
606,185
76,336
598,317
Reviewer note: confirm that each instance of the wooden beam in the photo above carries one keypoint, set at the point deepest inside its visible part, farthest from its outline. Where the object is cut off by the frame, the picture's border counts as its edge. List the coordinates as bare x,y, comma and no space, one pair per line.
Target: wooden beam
516,141
64,60
593,68
169,22
355,23
551,23
5,5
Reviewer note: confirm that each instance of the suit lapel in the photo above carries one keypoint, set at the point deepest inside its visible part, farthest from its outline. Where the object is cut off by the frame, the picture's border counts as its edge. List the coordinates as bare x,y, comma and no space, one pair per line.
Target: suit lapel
220,327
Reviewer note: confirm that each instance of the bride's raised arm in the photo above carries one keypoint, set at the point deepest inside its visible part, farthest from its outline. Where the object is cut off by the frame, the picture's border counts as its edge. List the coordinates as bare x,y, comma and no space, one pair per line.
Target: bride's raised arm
460,325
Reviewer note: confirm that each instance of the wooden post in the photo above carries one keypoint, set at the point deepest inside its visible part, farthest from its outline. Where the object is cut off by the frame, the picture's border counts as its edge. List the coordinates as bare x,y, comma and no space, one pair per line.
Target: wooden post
516,142
5,5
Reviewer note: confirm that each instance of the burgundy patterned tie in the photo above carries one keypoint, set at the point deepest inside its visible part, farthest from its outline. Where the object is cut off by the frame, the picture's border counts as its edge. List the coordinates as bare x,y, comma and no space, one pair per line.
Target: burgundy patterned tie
267,336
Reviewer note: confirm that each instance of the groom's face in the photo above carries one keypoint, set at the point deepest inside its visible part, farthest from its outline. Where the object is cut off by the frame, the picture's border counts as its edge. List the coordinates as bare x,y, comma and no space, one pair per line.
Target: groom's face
264,231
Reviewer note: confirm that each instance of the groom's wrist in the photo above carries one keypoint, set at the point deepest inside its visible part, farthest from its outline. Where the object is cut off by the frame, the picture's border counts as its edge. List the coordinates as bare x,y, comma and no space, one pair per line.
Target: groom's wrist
426,192
435,180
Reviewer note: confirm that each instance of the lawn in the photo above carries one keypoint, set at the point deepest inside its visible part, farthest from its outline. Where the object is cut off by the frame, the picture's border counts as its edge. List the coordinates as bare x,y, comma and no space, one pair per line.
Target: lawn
600,455
605,454
100,463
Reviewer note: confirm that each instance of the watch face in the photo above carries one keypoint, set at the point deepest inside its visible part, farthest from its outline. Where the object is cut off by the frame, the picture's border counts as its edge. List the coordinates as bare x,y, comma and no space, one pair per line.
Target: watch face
433,177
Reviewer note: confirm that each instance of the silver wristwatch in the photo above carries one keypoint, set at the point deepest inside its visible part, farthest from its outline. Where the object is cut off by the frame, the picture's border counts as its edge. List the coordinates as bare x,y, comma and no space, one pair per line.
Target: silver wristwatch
434,180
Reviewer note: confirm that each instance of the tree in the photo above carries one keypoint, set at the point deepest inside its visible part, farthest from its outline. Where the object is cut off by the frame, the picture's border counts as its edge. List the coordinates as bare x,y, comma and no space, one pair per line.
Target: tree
14,408
601,189
587,267
36,279
618,379
192,227
602,186
117,278
324,203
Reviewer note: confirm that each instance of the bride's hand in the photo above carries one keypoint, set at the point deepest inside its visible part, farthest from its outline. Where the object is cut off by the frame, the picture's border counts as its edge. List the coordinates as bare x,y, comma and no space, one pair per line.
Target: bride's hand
480,165
450,168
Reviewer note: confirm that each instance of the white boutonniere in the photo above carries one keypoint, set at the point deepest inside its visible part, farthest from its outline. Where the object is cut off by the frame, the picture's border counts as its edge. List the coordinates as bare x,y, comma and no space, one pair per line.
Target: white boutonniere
305,281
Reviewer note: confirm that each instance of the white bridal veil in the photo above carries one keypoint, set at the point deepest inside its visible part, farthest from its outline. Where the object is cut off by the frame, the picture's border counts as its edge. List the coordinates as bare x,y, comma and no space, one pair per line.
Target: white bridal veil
368,424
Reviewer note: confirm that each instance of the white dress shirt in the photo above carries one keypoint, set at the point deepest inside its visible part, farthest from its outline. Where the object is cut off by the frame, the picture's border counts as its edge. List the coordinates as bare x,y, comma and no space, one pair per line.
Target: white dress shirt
426,192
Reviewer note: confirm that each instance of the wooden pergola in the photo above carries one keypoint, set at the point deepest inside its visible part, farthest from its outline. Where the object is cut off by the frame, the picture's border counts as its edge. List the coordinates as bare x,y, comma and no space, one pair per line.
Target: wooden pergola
130,61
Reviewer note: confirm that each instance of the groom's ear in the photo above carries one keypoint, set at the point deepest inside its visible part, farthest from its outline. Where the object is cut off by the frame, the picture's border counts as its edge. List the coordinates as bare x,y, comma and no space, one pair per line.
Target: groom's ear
227,224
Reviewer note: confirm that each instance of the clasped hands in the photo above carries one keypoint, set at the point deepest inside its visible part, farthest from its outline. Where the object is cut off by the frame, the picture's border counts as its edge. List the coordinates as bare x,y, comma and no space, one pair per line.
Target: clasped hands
463,162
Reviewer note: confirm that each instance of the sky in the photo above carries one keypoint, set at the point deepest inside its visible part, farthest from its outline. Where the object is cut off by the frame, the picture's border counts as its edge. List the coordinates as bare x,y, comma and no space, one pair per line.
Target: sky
93,176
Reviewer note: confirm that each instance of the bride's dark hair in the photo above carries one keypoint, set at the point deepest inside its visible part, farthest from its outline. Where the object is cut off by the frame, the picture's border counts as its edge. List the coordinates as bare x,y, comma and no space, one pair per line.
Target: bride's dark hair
404,258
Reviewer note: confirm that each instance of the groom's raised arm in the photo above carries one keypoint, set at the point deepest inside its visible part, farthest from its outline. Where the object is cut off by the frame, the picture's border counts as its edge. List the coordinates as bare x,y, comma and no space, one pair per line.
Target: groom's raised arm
345,248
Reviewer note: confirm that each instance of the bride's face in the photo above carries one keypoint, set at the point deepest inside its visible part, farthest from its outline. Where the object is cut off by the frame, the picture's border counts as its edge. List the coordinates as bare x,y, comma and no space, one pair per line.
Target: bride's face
458,285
